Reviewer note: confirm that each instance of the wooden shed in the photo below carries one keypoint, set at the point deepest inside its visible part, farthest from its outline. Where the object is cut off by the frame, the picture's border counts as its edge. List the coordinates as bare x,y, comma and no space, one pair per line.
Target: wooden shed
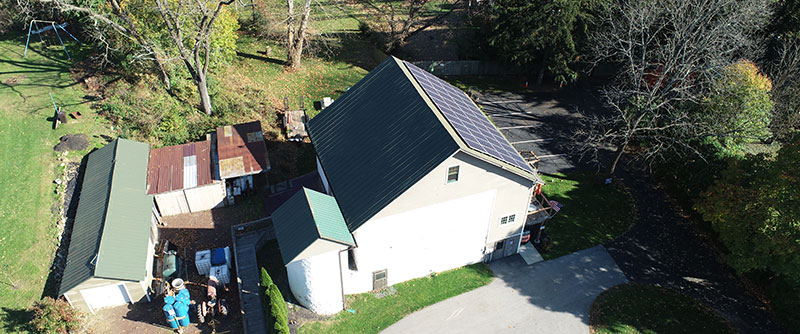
181,179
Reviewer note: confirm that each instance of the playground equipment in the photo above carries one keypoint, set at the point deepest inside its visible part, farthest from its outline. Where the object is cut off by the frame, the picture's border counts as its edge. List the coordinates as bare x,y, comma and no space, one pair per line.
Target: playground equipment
49,25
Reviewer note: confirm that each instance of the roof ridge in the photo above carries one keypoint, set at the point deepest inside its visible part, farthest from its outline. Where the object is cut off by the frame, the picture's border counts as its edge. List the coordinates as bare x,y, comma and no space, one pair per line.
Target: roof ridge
311,208
461,141
107,202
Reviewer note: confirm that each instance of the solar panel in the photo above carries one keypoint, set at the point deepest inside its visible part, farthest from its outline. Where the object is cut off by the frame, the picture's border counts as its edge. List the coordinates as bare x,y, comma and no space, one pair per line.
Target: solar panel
469,122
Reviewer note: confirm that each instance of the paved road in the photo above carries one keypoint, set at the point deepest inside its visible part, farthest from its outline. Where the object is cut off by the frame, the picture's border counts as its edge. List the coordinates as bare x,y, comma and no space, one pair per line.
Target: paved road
546,297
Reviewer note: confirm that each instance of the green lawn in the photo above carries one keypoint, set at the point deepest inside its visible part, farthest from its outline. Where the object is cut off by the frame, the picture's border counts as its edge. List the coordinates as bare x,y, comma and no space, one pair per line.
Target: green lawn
644,309
593,212
28,235
373,314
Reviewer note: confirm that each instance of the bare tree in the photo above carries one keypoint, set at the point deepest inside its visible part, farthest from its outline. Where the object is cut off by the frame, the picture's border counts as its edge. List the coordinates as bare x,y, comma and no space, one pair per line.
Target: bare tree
119,21
197,58
404,19
296,33
785,73
668,52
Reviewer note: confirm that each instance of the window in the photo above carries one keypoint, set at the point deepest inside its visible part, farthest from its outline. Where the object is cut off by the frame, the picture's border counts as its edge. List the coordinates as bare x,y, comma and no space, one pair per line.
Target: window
351,260
508,219
452,174
379,279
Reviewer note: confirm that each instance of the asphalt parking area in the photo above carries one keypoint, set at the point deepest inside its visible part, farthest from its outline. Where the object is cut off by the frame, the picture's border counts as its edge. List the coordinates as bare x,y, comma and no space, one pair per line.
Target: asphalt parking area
546,297
537,123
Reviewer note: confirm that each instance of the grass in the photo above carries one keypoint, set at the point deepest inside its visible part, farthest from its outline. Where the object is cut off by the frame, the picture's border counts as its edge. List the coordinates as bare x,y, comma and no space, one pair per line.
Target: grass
373,315
28,232
643,309
593,212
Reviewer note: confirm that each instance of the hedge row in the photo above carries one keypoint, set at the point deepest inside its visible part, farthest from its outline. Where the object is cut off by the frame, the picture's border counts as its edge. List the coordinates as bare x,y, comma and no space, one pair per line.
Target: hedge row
277,312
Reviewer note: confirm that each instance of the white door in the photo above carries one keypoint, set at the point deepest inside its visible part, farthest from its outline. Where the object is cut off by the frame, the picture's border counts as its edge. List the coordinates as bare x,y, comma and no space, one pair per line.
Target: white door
105,296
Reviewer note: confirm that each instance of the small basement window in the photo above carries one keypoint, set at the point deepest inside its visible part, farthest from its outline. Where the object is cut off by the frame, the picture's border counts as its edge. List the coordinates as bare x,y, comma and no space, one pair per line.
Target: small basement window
351,260
452,174
379,279
508,219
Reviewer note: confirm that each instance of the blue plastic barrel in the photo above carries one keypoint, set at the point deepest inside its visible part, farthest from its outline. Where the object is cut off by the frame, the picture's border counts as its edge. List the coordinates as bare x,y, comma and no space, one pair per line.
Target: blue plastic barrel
183,298
182,313
169,312
169,300
184,292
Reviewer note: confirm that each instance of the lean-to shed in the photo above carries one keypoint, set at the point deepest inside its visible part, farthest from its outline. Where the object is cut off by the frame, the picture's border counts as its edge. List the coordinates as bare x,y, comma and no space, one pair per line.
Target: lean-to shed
181,177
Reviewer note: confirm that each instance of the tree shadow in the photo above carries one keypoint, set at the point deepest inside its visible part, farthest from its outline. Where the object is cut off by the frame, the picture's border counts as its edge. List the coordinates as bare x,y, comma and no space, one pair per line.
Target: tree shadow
290,160
16,320
262,58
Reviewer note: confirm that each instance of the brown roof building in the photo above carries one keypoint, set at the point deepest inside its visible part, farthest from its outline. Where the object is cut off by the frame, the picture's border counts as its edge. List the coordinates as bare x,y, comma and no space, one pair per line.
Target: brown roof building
241,150
179,167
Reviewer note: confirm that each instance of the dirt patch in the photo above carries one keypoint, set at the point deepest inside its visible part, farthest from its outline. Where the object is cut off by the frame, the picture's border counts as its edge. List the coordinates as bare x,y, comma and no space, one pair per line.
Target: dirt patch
189,233
14,79
73,142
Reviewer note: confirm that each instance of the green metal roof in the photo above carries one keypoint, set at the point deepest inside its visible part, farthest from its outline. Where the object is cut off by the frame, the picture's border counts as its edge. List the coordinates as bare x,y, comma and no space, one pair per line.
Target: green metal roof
327,217
377,140
112,223
306,217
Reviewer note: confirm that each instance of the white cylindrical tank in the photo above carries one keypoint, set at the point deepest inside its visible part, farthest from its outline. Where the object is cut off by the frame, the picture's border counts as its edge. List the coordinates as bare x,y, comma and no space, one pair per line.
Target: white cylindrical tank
316,282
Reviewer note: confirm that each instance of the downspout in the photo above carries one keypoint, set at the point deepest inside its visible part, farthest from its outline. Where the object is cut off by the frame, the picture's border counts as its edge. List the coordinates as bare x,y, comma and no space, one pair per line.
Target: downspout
525,219
341,276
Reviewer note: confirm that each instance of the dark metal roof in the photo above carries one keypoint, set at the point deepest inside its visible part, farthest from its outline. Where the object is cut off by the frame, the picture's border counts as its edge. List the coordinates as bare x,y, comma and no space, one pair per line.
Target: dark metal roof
377,140
306,217
179,166
88,226
467,119
112,223
241,150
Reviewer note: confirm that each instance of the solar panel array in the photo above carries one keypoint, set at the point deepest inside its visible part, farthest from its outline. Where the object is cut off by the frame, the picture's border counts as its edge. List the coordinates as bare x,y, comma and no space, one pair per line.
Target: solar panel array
469,122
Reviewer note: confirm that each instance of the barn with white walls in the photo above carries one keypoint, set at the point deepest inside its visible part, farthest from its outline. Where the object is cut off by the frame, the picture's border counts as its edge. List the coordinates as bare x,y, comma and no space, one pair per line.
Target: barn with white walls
422,180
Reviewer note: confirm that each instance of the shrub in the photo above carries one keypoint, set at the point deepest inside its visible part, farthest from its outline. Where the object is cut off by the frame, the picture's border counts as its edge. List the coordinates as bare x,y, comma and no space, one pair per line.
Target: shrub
279,312
55,316
266,281
273,299
755,208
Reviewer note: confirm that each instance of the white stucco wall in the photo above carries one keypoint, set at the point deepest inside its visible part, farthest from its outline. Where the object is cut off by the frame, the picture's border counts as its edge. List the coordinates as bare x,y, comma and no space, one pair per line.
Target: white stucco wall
436,226
316,283
417,242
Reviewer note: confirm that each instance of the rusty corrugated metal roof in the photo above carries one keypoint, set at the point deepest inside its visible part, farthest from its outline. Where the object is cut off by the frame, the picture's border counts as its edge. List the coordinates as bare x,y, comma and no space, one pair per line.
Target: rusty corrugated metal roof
169,166
241,150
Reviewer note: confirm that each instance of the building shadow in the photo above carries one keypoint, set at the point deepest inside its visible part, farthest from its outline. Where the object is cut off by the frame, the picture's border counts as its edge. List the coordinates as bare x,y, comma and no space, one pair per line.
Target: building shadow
70,206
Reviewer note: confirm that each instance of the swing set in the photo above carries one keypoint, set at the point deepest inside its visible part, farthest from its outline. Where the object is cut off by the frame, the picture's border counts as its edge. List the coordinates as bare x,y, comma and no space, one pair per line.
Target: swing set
48,25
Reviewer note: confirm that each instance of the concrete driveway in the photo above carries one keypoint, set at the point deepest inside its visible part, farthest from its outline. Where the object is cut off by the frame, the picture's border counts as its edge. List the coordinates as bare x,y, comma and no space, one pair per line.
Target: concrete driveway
546,297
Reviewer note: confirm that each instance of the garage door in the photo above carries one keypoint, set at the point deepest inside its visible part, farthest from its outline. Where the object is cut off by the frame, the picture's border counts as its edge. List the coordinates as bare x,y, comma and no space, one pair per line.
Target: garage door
105,296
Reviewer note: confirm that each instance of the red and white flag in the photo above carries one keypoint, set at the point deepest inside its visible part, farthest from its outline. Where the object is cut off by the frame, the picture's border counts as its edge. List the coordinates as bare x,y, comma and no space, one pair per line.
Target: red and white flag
556,206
